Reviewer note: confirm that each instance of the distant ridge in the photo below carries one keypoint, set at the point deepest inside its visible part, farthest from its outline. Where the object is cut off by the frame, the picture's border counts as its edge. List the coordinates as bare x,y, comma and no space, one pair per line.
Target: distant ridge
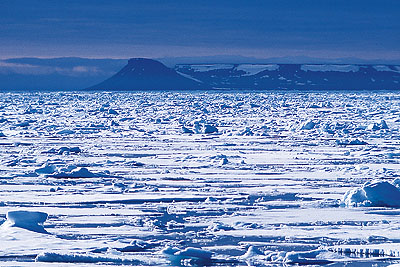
147,74
295,76
236,59
61,74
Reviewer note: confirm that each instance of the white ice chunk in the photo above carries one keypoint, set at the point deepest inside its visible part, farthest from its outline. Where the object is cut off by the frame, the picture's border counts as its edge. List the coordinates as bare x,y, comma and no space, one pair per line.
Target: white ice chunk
66,132
46,168
308,125
381,125
251,253
207,129
194,252
112,112
376,193
79,173
186,130
309,257
199,256
29,220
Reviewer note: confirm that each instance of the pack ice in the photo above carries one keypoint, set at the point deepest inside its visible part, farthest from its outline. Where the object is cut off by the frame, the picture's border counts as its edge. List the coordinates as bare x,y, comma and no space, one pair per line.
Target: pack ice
200,178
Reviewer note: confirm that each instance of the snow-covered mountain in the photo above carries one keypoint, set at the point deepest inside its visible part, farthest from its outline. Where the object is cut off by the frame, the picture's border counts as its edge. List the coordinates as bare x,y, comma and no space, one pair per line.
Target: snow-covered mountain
142,74
295,76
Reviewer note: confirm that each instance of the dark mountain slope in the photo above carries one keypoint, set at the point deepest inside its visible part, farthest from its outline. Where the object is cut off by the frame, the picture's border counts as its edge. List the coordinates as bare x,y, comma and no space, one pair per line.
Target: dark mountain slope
148,74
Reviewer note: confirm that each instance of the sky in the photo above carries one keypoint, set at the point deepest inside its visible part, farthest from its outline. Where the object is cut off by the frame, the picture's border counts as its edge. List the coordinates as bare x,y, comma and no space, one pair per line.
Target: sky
262,29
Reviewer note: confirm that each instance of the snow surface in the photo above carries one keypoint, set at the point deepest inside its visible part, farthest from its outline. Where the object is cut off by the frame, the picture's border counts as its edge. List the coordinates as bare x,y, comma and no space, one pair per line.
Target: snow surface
324,68
218,178
204,68
386,68
253,69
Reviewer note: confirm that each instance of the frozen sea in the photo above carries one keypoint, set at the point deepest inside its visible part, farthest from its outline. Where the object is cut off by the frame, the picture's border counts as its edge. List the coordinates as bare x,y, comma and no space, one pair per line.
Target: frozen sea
201,178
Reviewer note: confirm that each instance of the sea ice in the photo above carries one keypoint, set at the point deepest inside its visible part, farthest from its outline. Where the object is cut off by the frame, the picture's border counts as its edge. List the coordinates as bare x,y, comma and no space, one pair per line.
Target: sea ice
79,173
376,193
66,132
246,132
197,255
82,258
381,125
29,220
112,112
23,124
46,169
208,129
314,257
251,253
186,130
274,188
72,150
308,125
351,142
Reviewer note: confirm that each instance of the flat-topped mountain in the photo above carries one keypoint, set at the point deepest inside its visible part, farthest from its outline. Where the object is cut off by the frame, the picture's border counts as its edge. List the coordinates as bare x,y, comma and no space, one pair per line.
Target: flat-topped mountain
147,74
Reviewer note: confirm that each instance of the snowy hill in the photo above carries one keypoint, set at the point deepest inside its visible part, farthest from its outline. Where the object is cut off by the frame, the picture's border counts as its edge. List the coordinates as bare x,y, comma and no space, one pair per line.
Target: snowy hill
147,74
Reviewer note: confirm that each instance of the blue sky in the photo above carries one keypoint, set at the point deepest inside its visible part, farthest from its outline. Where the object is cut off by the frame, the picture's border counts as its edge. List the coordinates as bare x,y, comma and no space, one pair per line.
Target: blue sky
123,28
